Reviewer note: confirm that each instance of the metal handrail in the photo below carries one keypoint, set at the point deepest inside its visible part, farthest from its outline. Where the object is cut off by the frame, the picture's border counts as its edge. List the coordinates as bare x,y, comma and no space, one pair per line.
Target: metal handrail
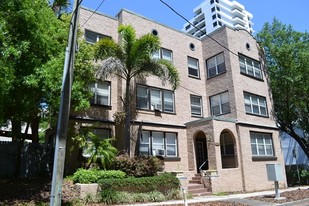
200,168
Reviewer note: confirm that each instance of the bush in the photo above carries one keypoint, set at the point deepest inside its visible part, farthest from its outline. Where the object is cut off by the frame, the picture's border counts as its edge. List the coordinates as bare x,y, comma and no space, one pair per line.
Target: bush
140,166
117,197
93,176
162,183
109,197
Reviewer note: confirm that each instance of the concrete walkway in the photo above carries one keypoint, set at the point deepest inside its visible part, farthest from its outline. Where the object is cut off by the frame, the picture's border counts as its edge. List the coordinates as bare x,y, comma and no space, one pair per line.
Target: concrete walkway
239,198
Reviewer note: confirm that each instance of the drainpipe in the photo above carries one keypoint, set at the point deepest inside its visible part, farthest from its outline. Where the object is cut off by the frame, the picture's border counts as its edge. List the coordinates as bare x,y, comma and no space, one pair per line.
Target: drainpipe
241,159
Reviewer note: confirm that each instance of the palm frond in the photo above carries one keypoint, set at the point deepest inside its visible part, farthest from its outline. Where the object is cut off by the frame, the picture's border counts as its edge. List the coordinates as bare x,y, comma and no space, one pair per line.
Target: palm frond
107,47
109,67
128,37
163,69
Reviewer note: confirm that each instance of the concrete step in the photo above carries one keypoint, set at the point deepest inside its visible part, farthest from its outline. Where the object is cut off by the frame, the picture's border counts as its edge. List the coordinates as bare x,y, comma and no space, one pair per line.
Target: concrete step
195,186
195,181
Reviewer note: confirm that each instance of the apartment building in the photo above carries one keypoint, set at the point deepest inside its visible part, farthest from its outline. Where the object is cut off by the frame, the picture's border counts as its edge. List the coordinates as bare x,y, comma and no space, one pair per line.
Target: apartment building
218,121
213,14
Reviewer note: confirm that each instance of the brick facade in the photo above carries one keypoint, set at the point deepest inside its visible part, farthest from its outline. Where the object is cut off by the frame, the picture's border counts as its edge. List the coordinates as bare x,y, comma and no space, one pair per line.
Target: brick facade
248,173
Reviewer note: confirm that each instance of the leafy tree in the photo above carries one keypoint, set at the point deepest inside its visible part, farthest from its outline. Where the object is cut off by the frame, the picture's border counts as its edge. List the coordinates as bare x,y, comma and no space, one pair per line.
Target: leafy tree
287,60
130,59
32,47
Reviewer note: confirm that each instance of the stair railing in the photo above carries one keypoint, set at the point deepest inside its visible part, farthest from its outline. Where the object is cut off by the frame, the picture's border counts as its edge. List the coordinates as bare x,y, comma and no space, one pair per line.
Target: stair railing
200,168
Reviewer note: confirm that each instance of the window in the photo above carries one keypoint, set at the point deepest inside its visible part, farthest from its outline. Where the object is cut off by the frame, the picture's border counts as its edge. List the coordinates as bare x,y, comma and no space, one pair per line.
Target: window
213,9
214,16
98,132
212,1
215,65
193,67
255,104
218,8
93,37
219,16
261,144
215,24
220,104
219,22
250,67
155,99
163,54
227,148
101,93
158,144
196,106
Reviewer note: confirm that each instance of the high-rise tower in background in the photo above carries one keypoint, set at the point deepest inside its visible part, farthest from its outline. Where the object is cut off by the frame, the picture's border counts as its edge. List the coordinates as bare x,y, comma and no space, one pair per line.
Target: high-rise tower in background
212,14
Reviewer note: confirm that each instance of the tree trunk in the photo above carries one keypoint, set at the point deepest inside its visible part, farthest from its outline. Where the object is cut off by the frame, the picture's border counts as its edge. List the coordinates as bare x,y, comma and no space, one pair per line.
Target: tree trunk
17,137
35,129
127,117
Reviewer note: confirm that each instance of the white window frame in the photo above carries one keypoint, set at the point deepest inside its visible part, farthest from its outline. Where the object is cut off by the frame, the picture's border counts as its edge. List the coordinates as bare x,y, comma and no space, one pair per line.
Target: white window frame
193,66
196,106
101,92
261,142
216,65
98,36
160,54
152,102
250,67
221,100
158,148
253,102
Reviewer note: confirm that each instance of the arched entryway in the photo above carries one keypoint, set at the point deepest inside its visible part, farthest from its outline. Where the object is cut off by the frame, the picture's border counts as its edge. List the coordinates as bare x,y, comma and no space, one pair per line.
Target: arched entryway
201,153
228,150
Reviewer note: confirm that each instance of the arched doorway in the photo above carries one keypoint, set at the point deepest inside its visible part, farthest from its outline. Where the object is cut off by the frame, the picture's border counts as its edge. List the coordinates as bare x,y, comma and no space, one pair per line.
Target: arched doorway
228,150
201,153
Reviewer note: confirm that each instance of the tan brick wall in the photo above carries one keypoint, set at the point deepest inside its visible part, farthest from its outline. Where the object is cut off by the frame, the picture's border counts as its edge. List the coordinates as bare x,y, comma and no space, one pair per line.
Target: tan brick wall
249,175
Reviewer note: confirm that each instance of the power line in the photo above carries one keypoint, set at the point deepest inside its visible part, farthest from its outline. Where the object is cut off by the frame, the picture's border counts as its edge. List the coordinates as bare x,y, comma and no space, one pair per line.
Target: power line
204,33
93,13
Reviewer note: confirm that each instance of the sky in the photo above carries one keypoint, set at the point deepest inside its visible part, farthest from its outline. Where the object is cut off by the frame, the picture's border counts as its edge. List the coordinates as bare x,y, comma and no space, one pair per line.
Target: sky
288,12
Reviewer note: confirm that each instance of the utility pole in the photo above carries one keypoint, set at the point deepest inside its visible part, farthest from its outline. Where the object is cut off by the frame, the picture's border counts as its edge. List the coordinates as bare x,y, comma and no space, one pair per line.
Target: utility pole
64,110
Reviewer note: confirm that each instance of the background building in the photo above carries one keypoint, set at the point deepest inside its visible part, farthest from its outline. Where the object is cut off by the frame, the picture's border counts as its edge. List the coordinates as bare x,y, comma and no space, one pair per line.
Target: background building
212,14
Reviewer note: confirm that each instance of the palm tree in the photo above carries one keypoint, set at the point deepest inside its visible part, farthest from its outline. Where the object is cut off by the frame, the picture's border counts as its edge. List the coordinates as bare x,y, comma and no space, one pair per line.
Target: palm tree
60,6
101,151
132,58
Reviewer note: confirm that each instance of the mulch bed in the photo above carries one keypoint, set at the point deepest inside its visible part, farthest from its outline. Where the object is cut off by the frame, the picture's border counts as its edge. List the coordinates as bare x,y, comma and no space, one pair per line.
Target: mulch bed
290,196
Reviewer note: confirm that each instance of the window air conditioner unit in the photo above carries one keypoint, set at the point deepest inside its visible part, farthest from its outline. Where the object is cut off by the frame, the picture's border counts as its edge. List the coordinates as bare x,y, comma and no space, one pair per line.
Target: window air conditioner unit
158,152
157,107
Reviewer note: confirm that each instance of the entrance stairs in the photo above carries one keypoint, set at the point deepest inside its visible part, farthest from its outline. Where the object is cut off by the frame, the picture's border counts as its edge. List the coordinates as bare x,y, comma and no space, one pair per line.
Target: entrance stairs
196,188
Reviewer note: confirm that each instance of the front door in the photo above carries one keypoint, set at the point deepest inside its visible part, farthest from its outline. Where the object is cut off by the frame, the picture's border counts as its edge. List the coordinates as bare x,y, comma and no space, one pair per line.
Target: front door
201,153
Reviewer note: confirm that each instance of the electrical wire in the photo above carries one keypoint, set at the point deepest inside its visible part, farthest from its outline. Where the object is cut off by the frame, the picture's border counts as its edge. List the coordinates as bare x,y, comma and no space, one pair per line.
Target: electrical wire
204,33
93,13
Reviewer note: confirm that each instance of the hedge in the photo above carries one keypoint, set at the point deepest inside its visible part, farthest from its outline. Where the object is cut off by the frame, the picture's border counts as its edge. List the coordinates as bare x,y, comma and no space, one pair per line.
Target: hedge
162,183
93,176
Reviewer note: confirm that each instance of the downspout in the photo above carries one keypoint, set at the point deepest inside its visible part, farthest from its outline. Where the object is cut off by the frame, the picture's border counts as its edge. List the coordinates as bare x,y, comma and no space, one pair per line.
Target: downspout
241,160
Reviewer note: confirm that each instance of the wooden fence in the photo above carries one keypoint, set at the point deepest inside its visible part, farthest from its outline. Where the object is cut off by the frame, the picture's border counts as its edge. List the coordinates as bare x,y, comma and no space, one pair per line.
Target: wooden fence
35,159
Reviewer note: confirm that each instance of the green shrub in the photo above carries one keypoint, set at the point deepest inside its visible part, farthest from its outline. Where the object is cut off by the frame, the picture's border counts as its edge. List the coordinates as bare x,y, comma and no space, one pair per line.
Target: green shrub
162,183
173,194
109,196
92,176
118,197
155,196
139,166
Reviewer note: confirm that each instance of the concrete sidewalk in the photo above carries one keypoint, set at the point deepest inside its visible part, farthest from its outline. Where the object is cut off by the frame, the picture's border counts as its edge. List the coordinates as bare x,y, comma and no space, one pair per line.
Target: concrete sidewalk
239,198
